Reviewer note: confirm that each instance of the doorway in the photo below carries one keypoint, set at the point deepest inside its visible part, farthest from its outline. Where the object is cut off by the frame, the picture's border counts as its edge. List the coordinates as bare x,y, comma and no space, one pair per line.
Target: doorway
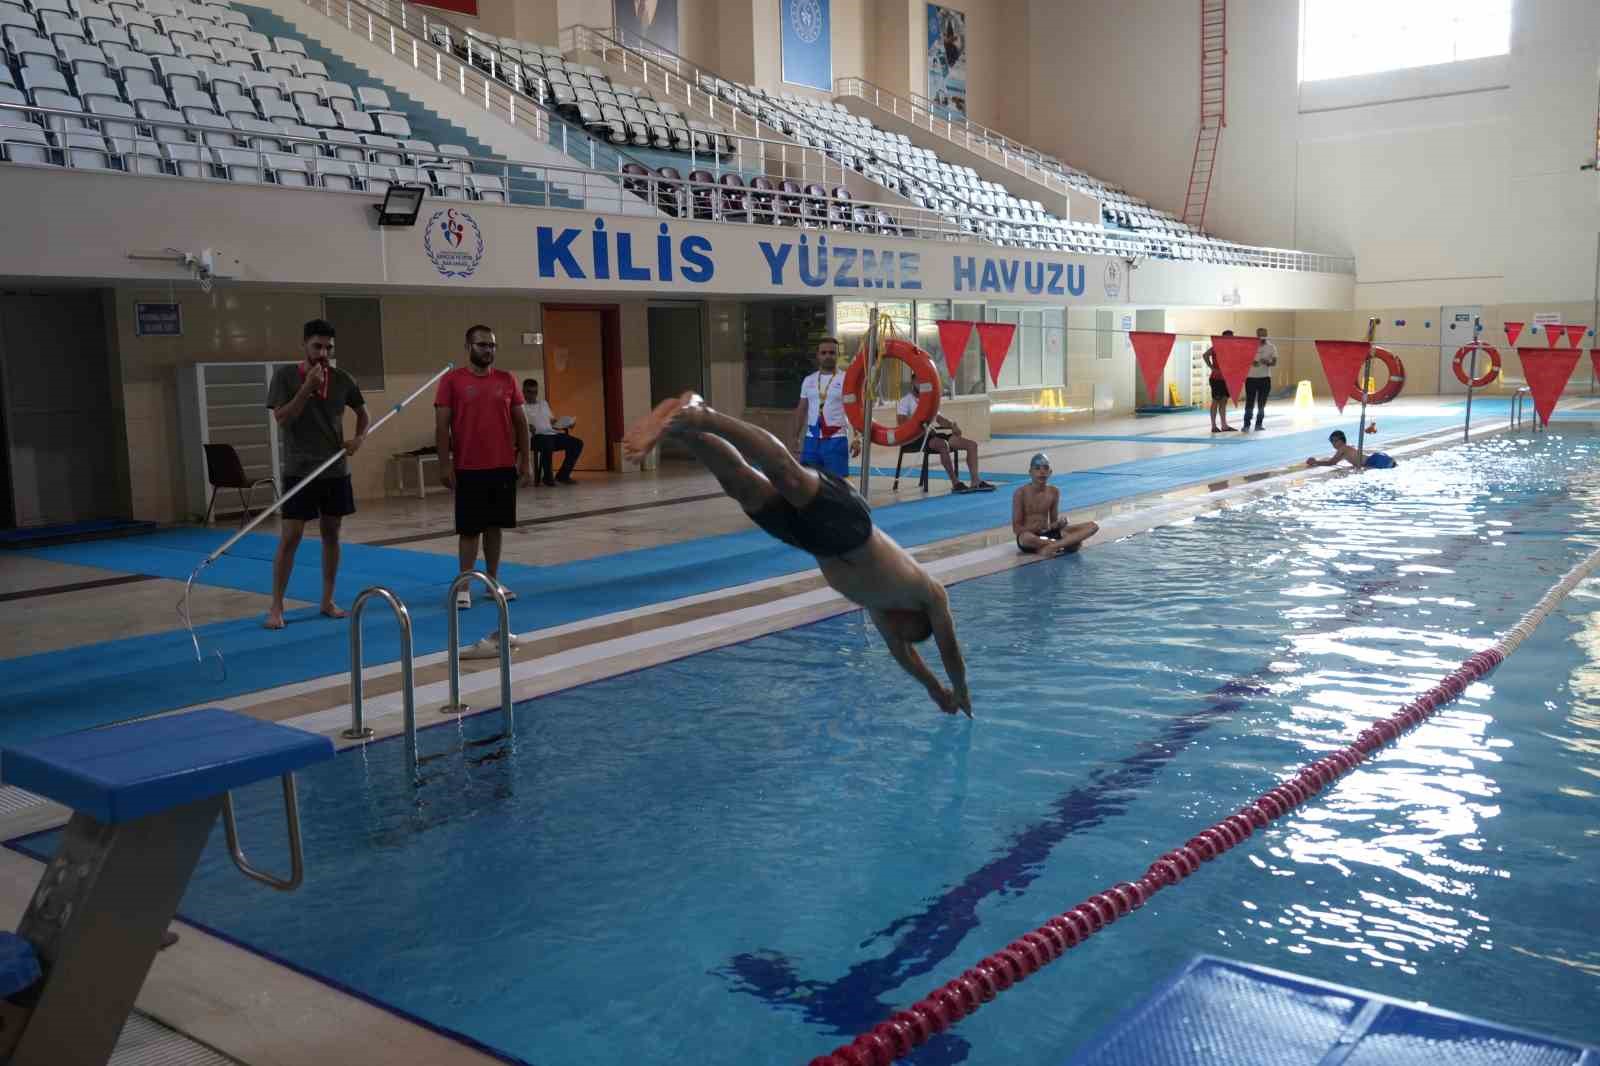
677,353
580,348
1455,330
60,441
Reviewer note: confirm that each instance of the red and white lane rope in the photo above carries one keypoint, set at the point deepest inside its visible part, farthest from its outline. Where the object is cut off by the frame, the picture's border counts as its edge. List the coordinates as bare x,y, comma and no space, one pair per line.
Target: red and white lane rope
954,1000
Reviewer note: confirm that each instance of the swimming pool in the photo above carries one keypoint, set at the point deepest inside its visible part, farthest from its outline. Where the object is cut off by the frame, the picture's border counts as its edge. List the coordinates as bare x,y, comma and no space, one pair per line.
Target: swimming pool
743,856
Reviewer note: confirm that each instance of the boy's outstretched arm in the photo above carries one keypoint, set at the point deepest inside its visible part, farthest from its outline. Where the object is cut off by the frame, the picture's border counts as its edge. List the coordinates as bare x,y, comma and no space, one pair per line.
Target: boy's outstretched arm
944,634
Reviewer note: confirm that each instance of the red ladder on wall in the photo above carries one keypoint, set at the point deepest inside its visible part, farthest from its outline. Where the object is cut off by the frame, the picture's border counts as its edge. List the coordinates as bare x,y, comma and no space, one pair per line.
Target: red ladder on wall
1213,108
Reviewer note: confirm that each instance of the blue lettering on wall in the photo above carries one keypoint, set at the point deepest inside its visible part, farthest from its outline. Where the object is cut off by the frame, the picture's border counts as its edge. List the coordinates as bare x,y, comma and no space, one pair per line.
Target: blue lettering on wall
910,268
1054,286
602,254
664,252
626,271
966,273
843,278
1075,272
553,250
777,256
991,277
697,264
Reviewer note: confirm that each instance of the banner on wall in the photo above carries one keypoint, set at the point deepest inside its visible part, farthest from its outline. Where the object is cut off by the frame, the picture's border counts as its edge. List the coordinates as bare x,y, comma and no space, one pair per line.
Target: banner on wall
807,43
654,20
947,59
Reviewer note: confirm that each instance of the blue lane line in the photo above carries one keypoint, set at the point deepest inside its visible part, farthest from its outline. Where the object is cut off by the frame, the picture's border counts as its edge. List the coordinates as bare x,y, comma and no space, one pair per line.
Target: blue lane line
1130,438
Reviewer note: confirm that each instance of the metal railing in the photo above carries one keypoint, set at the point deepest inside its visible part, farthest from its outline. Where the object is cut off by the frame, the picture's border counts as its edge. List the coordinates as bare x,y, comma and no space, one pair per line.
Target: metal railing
453,648
359,730
157,148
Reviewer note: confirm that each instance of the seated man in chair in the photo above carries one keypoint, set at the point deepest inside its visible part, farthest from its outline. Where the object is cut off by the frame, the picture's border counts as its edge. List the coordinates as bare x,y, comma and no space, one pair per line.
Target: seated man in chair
549,438
945,436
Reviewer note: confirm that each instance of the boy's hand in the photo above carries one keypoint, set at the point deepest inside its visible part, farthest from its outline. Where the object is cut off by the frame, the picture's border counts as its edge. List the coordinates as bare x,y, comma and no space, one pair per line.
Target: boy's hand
944,698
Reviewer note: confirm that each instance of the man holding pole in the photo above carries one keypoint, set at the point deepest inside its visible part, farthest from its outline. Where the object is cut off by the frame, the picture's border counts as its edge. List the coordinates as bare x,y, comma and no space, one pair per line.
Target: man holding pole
308,401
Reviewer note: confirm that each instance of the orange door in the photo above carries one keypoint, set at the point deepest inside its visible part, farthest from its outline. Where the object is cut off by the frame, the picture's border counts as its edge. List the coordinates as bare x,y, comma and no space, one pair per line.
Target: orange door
574,379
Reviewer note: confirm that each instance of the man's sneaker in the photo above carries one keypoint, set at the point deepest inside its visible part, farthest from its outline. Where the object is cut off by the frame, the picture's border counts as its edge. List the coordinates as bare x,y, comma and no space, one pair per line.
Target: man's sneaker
463,599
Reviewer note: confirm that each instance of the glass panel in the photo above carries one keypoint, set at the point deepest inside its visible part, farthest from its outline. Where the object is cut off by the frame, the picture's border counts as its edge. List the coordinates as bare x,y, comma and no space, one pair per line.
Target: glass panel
1342,38
928,314
971,378
780,348
1055,347
1032,348
1011,370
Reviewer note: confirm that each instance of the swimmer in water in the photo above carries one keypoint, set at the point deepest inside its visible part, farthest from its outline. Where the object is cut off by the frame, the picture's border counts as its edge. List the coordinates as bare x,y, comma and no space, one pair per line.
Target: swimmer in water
820,513
1342,452
1035,515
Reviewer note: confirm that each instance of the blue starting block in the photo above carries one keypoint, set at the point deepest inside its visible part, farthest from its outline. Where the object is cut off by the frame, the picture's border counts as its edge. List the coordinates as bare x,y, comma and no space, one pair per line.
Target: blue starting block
1216,1011
145,797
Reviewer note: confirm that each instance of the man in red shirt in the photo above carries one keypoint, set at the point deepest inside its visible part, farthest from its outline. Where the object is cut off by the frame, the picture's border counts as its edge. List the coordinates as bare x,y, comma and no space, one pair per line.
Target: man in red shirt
482,436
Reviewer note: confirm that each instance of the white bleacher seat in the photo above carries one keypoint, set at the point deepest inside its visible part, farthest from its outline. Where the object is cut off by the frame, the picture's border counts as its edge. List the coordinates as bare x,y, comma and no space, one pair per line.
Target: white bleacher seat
224,79
189,36
346,145
6,77
448,182
213,34
139,92
139,155
58,7
85,150
183,99
263,86
152,43
317,116
338,95
96,87
61,28
356,121
303,91
189,160
456,156
217,132
340,175
295,171
373,99
131,67
31,50
25,144
255,42
60,101
139,20
233,56
36,78
420,152
288,46
161,7
258,133
310,68
393,125
307,141
282,65
487,187
238,164
230,17
235,105
279,111
155,112
383,149
179,73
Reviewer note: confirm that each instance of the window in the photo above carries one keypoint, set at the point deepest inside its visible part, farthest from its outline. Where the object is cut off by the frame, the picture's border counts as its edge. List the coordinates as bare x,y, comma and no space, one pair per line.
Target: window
1342,38
780,349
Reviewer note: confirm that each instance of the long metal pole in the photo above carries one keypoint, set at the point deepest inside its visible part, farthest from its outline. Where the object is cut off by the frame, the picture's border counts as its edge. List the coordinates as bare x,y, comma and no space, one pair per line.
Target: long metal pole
1472,374
868,399
188,586
1366,381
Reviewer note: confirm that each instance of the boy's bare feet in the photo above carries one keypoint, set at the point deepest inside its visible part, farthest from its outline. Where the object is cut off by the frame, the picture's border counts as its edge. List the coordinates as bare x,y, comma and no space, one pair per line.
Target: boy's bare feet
332,610
274,619
645,433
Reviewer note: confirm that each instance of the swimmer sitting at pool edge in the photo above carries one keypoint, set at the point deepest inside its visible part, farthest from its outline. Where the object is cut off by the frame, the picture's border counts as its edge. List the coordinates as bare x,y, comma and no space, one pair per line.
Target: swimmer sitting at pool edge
1343,452
1035,515
820,513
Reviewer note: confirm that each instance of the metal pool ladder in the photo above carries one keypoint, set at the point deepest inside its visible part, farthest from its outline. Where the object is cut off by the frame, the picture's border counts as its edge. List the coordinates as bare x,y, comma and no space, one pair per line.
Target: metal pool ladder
358,729
453,646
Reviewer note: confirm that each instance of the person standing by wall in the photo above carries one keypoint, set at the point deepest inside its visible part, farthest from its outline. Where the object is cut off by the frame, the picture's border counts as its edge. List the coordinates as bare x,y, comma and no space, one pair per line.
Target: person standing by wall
1258,384
308,401
482,437
1219,390
819,422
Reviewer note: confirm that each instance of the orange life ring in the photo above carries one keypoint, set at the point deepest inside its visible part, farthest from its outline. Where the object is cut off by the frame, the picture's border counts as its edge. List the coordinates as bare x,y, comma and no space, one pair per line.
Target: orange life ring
1484,378
1392,387
928,392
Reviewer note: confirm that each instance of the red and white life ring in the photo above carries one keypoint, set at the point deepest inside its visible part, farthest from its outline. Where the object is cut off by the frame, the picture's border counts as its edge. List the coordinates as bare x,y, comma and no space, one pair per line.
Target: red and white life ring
1392,387
1488,375
928,392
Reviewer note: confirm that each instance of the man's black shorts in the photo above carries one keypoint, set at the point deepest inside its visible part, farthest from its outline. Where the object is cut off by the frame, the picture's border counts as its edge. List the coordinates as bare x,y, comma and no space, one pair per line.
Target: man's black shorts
836,521
326,497
486,499
1219,389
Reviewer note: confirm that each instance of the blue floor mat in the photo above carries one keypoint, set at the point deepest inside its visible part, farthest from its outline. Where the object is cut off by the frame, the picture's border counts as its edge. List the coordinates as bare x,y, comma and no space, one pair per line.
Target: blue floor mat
1147,438
76,688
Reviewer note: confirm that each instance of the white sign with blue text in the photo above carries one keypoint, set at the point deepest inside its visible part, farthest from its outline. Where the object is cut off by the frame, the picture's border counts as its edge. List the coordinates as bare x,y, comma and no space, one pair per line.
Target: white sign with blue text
574,251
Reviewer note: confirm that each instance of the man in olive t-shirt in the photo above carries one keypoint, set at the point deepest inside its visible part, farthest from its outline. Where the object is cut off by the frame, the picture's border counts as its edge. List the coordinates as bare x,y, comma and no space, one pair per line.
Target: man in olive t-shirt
308,401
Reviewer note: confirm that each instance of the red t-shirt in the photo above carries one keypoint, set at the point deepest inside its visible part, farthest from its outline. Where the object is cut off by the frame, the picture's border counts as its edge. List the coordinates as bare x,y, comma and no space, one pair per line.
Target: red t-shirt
481,433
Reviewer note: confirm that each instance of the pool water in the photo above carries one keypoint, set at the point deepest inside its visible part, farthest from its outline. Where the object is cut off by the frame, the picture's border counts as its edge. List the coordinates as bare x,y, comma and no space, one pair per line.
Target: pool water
745,856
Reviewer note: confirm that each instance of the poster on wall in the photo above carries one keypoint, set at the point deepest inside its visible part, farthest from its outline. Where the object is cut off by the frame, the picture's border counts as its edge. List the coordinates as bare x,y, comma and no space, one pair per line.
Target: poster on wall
807,44
464,7
654,20
947,60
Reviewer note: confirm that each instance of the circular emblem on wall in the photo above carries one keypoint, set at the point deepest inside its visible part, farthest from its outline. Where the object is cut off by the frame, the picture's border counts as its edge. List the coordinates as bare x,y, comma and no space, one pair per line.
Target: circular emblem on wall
1113,280
806,17
454,243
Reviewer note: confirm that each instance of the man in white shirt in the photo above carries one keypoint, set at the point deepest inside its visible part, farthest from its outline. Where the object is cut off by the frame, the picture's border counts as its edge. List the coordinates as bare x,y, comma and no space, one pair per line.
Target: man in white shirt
547,438
819,421
945,436
1259,381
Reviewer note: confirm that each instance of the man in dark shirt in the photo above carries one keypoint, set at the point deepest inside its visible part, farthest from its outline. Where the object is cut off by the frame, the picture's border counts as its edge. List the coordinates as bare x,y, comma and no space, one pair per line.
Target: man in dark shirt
308,401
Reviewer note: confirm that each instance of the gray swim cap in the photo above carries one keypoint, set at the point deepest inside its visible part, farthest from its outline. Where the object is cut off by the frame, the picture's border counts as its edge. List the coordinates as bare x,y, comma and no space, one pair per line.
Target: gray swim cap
1039,459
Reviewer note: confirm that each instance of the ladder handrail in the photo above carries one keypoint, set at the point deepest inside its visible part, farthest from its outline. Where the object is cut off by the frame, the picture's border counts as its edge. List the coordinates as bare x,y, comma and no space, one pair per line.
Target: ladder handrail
358,729
453,645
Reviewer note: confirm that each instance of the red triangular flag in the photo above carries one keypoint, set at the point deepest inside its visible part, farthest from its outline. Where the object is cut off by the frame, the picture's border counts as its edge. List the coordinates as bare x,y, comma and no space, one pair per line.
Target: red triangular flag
953,336
1547,372
1594,358
1513,331
1151,351
1341,365
995,340
1234,355
1575,334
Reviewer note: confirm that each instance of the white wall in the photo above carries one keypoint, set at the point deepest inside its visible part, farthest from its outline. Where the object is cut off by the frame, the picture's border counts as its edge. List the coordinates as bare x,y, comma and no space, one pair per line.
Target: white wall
1455,184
